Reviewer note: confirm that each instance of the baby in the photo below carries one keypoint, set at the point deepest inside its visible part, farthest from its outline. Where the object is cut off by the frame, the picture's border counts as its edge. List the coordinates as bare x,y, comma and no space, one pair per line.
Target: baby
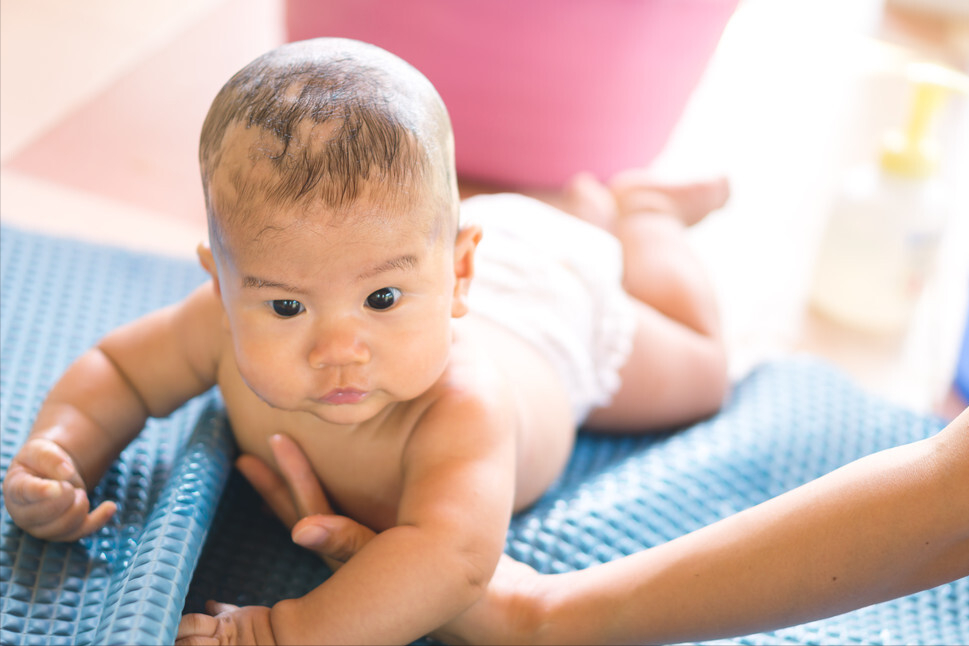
432,359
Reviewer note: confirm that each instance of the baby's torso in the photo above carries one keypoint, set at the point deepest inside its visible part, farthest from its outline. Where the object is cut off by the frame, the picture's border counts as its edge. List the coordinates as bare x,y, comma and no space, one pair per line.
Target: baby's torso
362,471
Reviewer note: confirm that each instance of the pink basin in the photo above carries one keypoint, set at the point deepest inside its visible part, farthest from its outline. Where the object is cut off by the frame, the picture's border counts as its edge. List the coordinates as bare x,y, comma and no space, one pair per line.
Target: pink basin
541,89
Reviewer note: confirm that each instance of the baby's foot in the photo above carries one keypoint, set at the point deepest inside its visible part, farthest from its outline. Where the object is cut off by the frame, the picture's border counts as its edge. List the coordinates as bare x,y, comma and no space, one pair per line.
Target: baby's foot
589,199
636,192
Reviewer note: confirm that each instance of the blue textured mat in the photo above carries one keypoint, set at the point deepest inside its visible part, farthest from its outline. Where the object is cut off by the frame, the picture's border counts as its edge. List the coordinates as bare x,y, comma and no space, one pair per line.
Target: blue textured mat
126,584
783,425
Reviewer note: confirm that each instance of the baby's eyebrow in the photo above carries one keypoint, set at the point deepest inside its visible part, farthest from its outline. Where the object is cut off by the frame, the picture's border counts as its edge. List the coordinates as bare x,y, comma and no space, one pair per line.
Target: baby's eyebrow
254,282
404,262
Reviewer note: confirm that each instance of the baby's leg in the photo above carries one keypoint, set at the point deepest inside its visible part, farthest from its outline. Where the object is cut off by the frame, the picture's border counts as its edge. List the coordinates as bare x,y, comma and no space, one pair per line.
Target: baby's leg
674,376
650,219
637,192
634,191
677,370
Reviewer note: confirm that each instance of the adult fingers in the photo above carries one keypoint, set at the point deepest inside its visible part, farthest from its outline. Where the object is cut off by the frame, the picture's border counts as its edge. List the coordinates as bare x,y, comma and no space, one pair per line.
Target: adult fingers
304,485
270,486
336,538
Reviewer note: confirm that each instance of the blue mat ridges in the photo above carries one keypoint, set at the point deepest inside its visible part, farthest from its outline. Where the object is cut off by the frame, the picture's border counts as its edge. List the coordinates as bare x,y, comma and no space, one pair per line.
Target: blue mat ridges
189,529
126,584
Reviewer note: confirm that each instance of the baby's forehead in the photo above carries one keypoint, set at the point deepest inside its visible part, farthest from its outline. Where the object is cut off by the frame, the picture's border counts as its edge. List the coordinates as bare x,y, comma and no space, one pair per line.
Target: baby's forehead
253,221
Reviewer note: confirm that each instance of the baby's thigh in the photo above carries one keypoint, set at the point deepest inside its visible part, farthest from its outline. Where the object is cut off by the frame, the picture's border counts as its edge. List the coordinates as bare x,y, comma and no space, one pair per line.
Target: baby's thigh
673,376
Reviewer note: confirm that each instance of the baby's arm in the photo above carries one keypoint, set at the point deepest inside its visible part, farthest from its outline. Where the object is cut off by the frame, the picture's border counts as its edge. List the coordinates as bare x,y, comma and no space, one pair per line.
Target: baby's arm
453,515
146,368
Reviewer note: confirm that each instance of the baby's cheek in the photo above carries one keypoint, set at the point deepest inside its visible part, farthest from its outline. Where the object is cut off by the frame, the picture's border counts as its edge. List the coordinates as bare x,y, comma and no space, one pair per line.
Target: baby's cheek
425,362
263,370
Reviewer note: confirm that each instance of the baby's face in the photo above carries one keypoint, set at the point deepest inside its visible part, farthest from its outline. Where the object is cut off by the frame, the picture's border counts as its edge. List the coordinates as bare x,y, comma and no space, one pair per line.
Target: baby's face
339,316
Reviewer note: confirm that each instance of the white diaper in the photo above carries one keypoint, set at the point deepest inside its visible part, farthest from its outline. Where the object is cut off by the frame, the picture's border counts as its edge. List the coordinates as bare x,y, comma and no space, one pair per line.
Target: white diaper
555,281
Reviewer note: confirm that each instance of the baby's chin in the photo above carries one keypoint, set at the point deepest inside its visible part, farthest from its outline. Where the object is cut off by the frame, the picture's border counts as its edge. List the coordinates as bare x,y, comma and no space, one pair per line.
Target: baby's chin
348,408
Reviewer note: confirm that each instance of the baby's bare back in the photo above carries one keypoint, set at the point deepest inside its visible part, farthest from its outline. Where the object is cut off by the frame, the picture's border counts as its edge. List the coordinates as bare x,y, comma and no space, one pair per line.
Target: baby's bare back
534,390
361,467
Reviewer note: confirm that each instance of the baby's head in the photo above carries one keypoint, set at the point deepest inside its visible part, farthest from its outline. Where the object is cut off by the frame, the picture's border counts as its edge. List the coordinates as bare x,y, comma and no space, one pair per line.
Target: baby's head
325,125
328,170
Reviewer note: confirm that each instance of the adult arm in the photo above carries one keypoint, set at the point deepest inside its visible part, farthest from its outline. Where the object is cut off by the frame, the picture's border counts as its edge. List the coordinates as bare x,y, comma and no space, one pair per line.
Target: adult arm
884,526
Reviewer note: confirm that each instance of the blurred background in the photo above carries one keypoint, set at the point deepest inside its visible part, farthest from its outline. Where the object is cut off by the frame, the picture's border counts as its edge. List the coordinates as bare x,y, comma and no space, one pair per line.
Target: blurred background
101,104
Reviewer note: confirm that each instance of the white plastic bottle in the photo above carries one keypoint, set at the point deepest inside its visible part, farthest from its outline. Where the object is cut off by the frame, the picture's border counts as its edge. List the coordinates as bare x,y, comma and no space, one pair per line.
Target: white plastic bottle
886,222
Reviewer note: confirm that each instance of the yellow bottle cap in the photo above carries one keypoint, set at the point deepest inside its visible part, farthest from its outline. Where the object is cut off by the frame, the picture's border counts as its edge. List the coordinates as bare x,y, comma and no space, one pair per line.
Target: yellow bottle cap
912,152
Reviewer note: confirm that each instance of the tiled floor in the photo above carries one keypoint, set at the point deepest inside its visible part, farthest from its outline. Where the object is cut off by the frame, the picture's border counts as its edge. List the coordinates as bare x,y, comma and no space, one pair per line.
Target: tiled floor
102,102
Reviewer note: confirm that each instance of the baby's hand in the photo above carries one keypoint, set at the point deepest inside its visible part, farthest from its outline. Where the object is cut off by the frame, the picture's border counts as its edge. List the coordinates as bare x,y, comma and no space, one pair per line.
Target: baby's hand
226,624
47,498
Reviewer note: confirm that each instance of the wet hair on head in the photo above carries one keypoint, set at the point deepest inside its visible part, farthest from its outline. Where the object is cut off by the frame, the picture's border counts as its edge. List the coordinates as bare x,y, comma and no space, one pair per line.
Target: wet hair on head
328,119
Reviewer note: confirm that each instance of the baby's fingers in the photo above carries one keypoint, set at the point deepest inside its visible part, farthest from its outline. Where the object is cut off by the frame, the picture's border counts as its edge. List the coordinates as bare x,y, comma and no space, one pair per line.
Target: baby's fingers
93,521
65,522
217,607
32,499
197,629
47,459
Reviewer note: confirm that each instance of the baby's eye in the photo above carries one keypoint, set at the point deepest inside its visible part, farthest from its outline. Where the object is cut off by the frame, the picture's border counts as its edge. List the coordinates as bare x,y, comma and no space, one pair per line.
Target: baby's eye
383,299
287,308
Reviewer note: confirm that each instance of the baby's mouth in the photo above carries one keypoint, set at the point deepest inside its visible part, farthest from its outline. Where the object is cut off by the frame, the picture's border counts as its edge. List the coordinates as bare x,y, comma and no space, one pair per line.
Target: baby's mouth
341,396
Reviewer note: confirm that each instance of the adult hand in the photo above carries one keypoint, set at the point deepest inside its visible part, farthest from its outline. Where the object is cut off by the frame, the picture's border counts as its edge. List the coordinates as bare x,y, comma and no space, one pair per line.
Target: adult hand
298,499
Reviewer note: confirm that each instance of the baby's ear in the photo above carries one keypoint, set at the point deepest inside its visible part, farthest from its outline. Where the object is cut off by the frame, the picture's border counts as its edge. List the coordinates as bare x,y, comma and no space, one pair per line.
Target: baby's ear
464,248
208,264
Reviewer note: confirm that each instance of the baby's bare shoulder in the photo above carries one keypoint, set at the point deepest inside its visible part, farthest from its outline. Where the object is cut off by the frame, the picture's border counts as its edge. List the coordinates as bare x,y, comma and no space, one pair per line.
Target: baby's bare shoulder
512,369
199,321
171,354
204,302
472,396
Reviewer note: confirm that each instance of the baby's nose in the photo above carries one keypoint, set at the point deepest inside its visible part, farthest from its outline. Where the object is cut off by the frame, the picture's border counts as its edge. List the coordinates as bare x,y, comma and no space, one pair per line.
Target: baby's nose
338,345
